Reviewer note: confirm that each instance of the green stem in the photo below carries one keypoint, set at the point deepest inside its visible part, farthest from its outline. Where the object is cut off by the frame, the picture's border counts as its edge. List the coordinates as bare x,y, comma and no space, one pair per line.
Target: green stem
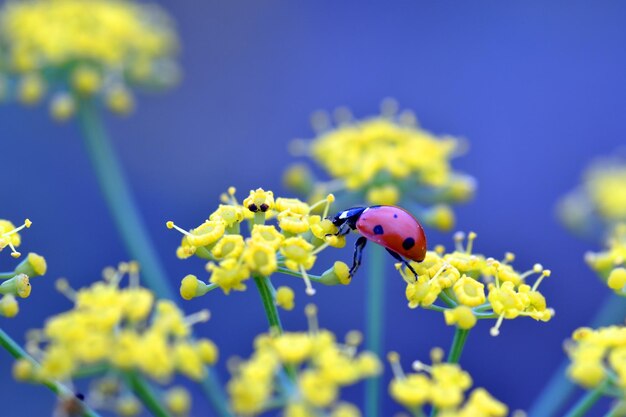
129,223
375,319
271,312
616,410
559,389
7,275
588,400
460,336
120,199
59,389
144,392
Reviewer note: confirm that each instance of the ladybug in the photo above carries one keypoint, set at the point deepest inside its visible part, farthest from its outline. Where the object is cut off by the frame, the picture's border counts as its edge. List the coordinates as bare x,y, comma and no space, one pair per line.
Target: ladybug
392,227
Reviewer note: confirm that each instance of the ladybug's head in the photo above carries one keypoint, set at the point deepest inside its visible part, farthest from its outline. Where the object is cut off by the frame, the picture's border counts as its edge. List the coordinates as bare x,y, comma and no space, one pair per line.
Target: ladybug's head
349,217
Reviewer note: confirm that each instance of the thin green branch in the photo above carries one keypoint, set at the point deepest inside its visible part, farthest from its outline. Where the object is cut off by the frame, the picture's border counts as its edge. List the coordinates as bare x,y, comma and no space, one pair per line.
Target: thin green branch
144,392
59,389
588,400
271,312
458,343
130,225
120,200
375,319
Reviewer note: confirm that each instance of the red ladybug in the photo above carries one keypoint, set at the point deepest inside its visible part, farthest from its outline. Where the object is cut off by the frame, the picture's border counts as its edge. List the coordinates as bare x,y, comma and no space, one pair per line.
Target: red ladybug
391,227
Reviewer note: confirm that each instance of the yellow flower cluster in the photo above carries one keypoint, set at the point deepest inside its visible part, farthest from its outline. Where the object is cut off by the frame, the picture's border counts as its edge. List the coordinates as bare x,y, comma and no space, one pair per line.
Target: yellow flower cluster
473,286
17,282
79,49
302,371
442,386
120,328
289,247
387,159
601,199
598,356
610,264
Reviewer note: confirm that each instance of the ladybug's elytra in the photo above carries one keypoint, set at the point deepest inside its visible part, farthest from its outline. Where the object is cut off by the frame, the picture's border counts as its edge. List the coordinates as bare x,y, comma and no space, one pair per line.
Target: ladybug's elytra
391,227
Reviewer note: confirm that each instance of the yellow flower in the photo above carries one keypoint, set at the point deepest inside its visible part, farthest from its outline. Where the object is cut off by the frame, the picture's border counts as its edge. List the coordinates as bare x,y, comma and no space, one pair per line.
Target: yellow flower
121,328
387,194
119,100
617,279
462,316
86,47
316,389
178,400
298,253
285,297
469,291
62,107
291,222
338,274
412,391
293,205
86,80
128,406
260,258
458,279
442,386
385,159
229,214
320,367
259,200
229,246
207,233
293,348
268,235
422,292
8,306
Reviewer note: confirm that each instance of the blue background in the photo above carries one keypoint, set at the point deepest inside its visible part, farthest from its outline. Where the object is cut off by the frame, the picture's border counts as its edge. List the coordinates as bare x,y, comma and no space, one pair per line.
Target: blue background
538,88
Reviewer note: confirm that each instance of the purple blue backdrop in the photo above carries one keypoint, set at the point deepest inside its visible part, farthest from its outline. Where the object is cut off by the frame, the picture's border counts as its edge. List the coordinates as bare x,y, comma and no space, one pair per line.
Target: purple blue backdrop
537,87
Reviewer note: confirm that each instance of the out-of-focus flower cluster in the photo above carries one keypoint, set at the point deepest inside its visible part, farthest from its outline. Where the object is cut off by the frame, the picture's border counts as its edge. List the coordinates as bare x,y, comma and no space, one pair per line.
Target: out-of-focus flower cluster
442,386
599,203
302,372
610,263
472,286
387,159
598,356
16,283
84,49
289,247
119,329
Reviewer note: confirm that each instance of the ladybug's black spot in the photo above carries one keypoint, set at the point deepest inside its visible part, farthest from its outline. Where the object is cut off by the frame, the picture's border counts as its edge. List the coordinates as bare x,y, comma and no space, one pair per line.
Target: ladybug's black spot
378,230
395,216
408,243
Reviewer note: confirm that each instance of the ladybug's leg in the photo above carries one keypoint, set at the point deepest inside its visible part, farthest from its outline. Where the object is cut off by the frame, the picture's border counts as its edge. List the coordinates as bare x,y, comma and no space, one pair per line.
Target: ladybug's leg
343,230
358,254
404,261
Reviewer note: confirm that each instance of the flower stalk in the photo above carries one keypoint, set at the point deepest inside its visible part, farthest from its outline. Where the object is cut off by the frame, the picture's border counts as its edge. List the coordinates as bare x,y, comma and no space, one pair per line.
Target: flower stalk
144,392
263,284
121,204
119,199
458,343
588,400
59,389
374,325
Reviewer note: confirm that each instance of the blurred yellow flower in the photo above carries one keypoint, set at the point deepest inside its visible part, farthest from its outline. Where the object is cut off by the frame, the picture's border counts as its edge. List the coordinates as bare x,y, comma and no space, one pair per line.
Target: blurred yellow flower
303,370
86,48
386,159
